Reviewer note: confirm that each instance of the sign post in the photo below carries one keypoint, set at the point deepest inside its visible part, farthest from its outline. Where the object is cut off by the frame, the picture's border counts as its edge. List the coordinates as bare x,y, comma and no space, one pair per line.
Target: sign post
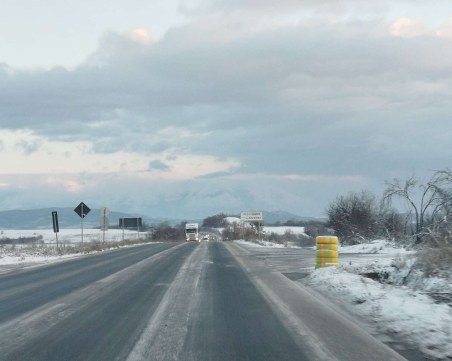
104,221
56,228
82,210
136,222
253,217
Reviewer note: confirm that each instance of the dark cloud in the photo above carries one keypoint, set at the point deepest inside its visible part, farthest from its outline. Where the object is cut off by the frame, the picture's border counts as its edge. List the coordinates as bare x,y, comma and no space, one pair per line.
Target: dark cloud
332,99
158,165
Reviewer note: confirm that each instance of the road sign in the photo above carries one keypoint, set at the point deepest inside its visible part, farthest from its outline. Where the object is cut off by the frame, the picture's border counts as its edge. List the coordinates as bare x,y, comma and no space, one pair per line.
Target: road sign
251,216
104,218
56,228
82,210
130,222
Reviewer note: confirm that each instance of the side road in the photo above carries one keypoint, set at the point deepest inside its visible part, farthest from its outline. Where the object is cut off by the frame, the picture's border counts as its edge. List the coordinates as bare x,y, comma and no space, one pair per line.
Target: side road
326,333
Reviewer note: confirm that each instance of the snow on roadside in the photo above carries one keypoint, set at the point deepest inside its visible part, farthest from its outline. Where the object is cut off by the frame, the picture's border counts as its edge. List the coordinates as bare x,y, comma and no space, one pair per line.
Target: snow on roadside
410,314
70,235
20,256
23,255
259,243
280,230
380,246
396,266
400,304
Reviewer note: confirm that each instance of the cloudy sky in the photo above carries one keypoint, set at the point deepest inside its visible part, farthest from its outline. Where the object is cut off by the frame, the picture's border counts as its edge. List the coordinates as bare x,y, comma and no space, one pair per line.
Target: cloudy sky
186,108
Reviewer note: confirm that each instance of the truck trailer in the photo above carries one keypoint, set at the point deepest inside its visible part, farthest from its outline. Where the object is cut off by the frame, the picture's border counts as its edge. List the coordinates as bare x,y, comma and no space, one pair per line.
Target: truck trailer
192,232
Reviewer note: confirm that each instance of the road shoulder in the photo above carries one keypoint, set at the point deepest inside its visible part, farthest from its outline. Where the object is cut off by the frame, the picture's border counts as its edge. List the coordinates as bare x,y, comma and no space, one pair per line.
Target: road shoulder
319,328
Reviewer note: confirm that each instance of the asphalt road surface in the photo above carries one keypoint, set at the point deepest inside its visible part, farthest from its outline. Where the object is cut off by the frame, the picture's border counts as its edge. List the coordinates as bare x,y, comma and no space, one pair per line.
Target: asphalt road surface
176,301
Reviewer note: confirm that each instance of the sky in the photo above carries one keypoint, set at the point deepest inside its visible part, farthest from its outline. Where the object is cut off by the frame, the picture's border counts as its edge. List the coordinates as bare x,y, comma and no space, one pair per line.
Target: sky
187,108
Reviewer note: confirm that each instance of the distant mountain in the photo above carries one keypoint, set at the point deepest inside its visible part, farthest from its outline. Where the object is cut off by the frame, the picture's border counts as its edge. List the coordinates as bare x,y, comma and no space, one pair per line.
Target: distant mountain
67,218
271,217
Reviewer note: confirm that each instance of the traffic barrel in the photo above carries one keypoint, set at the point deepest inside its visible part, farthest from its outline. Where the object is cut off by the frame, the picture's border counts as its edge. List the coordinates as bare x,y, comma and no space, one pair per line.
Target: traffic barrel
327,246
327,254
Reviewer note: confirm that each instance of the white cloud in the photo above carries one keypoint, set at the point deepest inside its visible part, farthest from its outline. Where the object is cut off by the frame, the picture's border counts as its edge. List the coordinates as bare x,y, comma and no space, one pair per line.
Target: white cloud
406,27
140,35
409,28
325,178
77,157
445,30
67,182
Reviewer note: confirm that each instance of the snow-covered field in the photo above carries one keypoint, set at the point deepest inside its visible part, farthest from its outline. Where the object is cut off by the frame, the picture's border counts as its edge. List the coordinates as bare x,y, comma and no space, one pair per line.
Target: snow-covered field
403,304
280,230
27,254
71,235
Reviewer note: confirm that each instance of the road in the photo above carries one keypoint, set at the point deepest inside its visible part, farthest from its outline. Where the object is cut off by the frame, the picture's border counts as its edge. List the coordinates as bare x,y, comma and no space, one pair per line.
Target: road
172,301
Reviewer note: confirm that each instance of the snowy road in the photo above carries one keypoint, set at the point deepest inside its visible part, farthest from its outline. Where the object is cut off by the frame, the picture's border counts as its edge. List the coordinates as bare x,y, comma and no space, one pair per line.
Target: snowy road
207,301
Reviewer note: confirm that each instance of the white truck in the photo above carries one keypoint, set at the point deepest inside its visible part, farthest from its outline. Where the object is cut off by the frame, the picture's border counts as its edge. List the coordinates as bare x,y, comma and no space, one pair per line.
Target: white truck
192,232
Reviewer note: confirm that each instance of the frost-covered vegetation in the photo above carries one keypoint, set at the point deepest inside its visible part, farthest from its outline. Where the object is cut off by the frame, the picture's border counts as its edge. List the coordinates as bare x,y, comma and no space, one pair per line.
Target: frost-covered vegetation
424,223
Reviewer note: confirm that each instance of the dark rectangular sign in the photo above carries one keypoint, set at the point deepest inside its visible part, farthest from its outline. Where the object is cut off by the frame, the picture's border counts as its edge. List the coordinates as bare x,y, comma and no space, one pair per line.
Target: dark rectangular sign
130,223
56,228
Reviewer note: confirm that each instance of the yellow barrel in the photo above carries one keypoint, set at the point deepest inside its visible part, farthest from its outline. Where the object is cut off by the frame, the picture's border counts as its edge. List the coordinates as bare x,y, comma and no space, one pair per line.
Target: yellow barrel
326,259
326,264
330,246
327,254
326,240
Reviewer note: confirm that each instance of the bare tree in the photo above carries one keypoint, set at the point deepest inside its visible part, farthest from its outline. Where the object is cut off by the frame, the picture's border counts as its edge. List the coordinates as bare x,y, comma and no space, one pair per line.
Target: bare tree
215,221
354,217
391,223
428,203
440,227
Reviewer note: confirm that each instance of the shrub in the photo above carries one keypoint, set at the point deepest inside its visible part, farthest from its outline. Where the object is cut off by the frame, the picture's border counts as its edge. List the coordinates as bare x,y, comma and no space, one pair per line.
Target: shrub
354,217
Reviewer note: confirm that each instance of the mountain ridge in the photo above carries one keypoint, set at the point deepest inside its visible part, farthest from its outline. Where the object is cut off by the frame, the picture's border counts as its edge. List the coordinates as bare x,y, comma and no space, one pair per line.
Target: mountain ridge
41,218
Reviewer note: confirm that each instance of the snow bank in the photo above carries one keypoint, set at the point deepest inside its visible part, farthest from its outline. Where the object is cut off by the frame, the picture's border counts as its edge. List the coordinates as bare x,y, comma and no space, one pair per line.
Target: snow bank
380,246
71,235
283,229
232,220
405,312
15,257
395,265
19,255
